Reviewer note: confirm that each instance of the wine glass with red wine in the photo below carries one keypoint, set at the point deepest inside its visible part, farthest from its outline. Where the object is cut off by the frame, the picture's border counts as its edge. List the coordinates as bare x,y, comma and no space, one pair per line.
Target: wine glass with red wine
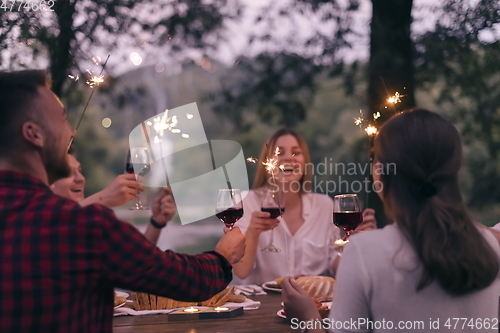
138,162
347,212
229,207
273,203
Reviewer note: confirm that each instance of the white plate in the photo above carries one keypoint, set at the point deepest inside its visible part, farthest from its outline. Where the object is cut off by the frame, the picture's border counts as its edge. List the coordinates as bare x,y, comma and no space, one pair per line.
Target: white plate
281,314
266,288
328,304
120,305
121,294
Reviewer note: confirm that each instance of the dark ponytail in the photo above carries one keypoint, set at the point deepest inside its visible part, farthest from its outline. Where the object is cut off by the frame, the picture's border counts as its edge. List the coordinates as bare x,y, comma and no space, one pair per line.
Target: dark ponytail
423,197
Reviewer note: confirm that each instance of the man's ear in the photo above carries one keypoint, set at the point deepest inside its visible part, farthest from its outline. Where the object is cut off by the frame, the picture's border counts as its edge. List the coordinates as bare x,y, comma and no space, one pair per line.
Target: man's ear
33,133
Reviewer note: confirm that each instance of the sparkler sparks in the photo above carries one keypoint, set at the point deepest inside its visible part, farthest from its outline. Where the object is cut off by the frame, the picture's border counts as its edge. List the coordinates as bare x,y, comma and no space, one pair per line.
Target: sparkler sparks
371,130
166,123
94,80
394,99
358,121
376,115
271,164
74,77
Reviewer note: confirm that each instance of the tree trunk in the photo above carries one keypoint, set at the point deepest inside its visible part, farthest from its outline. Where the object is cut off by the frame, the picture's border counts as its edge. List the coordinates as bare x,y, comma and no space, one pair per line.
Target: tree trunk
60,55
391,67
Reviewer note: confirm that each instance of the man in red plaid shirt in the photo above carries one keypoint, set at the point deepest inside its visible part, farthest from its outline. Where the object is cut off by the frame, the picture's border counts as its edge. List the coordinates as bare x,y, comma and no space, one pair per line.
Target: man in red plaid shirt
59,262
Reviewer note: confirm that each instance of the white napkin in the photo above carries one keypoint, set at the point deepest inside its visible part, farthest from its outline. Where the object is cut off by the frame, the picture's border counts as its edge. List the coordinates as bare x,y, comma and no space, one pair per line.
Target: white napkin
248,304
249,290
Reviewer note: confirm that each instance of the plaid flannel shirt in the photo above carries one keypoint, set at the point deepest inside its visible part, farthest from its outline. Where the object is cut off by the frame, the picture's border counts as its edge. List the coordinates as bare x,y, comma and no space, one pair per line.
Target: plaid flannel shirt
59,262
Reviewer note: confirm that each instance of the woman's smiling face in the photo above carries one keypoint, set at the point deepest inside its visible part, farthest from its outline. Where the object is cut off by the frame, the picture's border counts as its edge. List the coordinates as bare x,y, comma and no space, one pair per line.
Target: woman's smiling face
291,161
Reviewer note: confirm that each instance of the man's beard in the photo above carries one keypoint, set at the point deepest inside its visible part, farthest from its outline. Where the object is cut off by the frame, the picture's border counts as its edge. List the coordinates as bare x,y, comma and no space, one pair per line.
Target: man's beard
56,163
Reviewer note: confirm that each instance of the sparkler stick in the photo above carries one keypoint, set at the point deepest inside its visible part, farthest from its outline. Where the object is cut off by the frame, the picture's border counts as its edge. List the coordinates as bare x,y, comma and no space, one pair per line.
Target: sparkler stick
371,130
96,80
223,168
93,81
271,164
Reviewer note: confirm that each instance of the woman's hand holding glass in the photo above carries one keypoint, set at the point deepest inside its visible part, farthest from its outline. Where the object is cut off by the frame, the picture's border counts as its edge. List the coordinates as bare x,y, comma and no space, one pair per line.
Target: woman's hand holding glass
272,203
261,221
369,221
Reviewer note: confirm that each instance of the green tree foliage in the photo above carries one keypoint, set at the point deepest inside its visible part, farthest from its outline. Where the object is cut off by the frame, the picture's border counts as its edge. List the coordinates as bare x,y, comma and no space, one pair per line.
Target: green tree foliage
279,83
459,59
68,34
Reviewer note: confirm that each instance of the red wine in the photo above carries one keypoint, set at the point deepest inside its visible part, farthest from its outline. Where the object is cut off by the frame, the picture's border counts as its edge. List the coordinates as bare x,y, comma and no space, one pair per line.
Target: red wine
230,216
347,220
129,168
275,211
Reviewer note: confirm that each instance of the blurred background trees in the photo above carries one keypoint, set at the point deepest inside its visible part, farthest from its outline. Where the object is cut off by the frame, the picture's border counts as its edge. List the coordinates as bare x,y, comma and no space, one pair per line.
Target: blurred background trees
297,69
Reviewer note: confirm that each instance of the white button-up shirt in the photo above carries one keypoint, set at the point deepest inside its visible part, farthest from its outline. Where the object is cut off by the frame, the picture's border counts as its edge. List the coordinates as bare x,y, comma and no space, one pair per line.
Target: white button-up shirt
309,251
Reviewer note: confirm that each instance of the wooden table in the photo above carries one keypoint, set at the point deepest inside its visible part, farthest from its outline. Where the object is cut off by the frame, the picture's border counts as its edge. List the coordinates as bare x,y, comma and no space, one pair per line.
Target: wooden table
262,320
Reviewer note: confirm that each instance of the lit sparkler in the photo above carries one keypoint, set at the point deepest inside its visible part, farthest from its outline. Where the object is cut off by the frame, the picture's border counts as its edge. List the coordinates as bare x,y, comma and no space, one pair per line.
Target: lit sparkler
167,123
371,130
394,99
271,164
95,80
359,120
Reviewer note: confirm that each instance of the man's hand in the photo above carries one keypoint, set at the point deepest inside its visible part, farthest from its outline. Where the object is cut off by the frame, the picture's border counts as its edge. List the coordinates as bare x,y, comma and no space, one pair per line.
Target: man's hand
164,207
121,190
232,245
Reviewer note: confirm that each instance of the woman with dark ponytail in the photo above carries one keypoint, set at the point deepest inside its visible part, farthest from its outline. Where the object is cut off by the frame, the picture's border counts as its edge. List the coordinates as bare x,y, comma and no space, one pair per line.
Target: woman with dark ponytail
433,263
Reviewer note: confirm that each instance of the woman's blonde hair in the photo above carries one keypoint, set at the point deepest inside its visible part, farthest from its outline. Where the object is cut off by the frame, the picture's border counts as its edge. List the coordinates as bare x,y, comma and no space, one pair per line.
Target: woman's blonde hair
267,151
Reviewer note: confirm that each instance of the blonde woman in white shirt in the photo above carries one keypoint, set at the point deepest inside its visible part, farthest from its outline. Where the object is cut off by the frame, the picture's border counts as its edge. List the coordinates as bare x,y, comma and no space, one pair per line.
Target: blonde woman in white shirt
305,233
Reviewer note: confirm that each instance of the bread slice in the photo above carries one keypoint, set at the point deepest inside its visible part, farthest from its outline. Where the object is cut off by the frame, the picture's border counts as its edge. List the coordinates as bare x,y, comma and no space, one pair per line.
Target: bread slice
319,287
143,301
220,298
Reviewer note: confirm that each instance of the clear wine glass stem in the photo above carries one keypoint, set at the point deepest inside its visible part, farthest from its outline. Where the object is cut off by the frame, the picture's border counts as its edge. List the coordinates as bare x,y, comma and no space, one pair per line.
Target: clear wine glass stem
271,238
138,202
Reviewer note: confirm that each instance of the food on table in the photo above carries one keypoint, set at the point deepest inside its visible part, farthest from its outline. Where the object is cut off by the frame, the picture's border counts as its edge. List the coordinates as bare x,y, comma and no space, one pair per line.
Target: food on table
319,287
324,310
237,298
278,282
143,301
119,300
